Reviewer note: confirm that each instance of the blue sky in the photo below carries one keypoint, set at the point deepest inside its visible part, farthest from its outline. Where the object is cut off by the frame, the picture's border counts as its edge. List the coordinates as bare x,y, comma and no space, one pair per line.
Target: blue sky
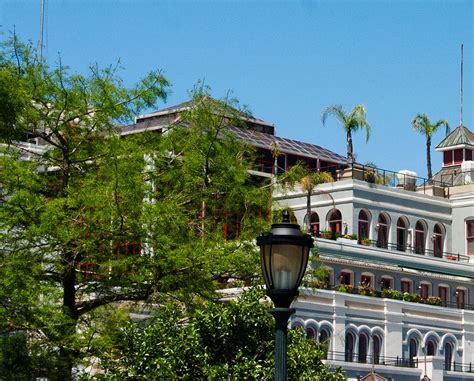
286,60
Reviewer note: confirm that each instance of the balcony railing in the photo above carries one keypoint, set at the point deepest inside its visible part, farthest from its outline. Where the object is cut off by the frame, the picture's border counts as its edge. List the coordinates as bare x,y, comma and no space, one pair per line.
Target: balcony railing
409,297
420,251
459,367
408,249
369,359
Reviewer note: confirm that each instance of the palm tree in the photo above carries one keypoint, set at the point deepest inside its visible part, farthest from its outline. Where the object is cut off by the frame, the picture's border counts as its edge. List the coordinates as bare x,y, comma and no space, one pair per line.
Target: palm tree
354,120
423,125
308,182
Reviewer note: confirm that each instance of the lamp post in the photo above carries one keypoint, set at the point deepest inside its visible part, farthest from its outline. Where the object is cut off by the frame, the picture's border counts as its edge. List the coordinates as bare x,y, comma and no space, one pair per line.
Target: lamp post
284,252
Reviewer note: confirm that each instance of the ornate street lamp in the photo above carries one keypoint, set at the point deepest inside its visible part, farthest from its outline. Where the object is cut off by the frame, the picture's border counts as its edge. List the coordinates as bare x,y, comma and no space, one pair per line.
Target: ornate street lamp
284,251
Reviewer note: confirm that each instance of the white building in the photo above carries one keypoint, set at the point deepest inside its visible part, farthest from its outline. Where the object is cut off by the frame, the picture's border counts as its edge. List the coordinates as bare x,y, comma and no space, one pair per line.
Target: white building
415,241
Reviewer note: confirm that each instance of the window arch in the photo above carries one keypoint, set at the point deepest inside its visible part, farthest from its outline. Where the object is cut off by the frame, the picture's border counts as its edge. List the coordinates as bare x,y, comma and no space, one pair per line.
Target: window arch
448,356
377,342
335,221
311,333
349,347
402,233
324,339
420,237
382,230
430,348
412,349
438,240
363,348
460,297
314,224
363,231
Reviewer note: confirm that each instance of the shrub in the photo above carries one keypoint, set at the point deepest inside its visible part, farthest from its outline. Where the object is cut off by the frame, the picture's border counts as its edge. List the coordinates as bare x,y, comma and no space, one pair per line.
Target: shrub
411,297
392,294
345,288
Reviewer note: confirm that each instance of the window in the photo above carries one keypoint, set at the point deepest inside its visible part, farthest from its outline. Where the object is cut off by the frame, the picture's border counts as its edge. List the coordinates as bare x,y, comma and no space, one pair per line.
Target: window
424,290
448,356
349,347
345,278
311,333
470,237
335,221
405,286
366,280
363,225
468,155
430,348
402,226
460,298
420,238
314,224
324,337
448,157
443,295
458,156
438,241
363,348
413,350
382,231
127,249
385,283
231,227
376,349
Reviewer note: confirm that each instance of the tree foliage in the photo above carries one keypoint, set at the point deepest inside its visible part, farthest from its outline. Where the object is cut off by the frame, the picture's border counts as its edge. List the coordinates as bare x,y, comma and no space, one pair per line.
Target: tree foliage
217,342
424,126
352,121
93,218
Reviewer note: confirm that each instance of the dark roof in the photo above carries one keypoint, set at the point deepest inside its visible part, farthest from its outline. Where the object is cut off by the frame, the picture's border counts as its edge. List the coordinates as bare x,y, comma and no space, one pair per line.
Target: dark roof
459,136
192,103
287,146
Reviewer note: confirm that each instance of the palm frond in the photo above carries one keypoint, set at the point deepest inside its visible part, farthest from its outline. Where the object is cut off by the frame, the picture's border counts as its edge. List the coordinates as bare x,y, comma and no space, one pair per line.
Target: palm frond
336,111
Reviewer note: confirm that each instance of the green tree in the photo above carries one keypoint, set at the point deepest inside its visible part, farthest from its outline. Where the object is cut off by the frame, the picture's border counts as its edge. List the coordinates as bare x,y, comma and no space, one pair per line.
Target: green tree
94,219
424,126
351,122
216,342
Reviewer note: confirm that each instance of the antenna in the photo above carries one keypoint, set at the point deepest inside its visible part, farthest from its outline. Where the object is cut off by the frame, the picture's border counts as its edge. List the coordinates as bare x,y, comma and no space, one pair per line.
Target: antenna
462,65
40,45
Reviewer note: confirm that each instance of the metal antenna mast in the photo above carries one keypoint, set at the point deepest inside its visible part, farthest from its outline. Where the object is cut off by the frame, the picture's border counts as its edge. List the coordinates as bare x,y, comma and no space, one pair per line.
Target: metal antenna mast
40,45
462,65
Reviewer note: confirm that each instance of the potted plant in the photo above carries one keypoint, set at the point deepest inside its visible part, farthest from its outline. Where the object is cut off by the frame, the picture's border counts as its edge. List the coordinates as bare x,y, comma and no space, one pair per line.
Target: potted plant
433,300
327,234
345,288
348,238
392,294
411,297
366,290
365,242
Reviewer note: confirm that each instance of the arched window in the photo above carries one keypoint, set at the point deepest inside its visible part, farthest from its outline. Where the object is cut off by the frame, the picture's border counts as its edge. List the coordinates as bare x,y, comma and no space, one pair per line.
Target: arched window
402,229
349,347
335,221
413,350
448,356
363,348
382,231
363,225
420,237
430,348
438,241
314,223
460,298
311,333
324,337
376,349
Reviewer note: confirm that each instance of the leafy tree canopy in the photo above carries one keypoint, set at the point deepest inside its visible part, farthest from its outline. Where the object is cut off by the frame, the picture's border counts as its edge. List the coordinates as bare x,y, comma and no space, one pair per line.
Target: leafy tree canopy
90,219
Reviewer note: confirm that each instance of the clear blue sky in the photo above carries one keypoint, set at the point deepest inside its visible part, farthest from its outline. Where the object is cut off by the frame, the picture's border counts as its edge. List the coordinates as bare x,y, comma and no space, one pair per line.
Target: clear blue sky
286,60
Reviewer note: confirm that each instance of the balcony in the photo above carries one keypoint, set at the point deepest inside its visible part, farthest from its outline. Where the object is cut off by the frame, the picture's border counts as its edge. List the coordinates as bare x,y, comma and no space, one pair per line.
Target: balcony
371,359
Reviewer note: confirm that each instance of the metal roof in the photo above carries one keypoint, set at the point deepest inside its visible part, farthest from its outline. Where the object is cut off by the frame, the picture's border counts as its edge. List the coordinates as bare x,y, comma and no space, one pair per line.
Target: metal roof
288,146
461,135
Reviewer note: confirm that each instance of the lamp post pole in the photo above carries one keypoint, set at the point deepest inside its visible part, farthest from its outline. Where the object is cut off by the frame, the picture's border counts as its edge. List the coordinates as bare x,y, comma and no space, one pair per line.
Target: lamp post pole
284,251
